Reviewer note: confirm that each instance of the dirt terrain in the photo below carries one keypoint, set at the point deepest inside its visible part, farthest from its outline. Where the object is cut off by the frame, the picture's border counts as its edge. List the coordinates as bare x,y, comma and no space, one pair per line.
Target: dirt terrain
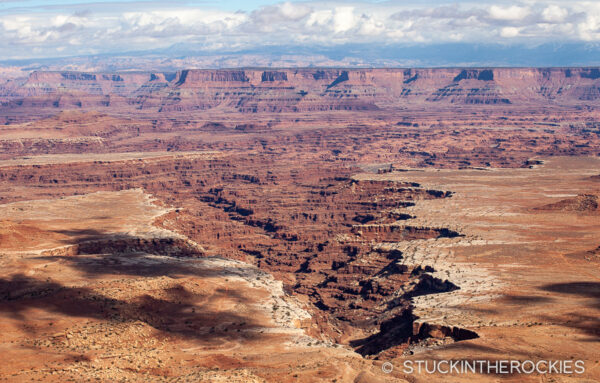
297,225
527,266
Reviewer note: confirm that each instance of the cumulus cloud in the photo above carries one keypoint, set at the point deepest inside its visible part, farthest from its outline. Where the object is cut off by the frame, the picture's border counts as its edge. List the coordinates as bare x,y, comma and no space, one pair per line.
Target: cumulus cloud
554,14
513,12
95,28
509,32
343,19
284,12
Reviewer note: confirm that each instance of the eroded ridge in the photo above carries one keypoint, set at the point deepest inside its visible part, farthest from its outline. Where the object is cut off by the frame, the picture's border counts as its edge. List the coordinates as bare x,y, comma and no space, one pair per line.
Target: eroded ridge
321,241
88,278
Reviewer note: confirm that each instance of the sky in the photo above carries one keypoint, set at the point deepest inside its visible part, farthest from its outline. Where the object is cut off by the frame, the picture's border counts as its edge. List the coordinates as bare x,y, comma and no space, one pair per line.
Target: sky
61,28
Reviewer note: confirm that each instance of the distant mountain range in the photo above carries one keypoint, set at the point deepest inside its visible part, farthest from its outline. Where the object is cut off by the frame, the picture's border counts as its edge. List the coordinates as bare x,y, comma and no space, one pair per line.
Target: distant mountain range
182,56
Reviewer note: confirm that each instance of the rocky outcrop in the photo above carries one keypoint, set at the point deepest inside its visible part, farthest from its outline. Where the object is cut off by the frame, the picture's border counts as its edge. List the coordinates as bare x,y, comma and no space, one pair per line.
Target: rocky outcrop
584,203
270,76
396,233
173,247
425,330
483,75
308,239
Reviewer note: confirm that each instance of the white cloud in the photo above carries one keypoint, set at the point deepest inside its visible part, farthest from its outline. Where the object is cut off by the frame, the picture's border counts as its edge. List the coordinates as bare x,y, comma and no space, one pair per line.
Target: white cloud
554,14
509,32
319,18
343,19
371,26
293,11
285,12
102,28
589,30
513,12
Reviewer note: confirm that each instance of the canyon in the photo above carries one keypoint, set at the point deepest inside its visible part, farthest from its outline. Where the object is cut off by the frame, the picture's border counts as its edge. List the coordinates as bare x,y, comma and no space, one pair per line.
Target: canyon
297,224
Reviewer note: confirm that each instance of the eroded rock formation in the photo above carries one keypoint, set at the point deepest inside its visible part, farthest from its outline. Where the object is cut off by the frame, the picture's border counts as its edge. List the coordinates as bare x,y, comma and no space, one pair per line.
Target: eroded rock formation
261,166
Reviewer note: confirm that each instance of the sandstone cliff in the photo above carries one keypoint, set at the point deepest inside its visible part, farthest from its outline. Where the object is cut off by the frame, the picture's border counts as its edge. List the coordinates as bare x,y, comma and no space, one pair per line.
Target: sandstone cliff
293,90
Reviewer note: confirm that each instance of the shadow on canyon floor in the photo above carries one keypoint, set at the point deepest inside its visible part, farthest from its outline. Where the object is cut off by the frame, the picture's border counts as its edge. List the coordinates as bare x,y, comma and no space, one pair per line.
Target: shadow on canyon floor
588,323
179,311
173,308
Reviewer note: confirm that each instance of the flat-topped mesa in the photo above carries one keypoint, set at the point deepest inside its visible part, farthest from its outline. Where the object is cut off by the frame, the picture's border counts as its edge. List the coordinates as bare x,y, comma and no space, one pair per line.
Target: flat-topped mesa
123,84
311,78
307,89
191,78
86,77
323,76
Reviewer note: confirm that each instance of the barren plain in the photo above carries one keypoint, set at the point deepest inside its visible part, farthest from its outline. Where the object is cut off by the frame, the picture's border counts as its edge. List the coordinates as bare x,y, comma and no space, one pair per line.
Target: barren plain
298,225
